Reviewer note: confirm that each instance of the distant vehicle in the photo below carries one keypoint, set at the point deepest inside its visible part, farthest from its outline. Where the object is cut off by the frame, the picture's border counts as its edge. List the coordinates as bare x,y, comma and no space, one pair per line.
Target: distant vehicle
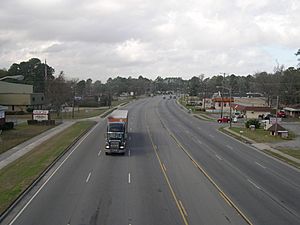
164,97
281,114
225,119
174,97
238,115
268,116
116,132
235,119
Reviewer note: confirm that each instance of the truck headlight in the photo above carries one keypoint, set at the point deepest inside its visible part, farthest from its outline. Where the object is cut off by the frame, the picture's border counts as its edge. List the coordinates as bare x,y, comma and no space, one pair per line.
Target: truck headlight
121,147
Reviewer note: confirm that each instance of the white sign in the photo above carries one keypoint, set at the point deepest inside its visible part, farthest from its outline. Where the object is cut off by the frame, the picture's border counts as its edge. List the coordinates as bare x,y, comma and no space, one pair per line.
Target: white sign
40,115
2,114
273,120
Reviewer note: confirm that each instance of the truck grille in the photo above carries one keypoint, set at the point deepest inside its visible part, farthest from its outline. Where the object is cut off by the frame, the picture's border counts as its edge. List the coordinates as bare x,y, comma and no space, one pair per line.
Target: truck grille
114,144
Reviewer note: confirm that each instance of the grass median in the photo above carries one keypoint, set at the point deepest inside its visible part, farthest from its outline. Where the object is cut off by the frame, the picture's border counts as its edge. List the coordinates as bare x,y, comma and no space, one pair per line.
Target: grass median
17,176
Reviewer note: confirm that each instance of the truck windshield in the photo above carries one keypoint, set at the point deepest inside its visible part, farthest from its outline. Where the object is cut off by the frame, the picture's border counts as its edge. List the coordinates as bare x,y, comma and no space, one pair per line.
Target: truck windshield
116,127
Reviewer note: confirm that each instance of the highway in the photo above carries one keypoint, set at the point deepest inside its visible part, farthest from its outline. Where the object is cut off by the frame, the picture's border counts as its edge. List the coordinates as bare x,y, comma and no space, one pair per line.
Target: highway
177,170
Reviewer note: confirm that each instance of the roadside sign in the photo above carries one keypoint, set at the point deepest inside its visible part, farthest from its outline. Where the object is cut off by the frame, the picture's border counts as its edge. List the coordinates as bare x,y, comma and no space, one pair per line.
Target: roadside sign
273,120
40,115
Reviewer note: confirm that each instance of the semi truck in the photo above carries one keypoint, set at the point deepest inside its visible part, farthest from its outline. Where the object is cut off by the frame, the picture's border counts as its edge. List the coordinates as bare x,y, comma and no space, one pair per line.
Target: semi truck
116,132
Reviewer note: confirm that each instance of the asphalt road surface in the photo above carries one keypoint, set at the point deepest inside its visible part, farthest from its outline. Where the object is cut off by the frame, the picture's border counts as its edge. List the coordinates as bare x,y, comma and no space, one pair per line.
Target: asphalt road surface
177,170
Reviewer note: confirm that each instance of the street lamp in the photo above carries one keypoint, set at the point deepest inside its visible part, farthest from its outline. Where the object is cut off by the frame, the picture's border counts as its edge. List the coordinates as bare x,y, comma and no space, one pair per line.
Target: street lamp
229,89
15,77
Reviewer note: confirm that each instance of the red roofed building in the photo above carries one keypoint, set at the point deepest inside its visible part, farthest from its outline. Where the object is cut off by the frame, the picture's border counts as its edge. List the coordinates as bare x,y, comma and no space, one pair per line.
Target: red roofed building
251,112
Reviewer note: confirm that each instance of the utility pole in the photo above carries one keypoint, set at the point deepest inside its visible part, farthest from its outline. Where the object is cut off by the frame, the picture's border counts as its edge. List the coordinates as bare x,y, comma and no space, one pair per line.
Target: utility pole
276,121
222,101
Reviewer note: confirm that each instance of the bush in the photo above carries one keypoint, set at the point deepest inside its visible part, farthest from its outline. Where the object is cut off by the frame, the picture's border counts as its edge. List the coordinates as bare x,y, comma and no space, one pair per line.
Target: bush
7,126
254,122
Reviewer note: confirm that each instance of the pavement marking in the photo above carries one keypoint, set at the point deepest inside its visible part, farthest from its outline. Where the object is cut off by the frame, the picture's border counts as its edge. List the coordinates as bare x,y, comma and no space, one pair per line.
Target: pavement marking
212,136
54,172
88,177
164,167
129,152
167,179
99,152
228,146
254,184
129,179
129,138
219,157
222,195
260,165
200,142
207,176
183,209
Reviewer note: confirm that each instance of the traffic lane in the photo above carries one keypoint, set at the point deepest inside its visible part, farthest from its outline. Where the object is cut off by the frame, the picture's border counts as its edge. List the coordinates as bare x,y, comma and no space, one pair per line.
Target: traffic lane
259,207
208,130
204,156
149,199
245,155
62,189
200,199
252,165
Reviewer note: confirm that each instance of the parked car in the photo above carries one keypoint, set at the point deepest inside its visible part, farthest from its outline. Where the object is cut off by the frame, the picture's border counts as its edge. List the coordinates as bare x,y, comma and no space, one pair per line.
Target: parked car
238,115
281,114
224,119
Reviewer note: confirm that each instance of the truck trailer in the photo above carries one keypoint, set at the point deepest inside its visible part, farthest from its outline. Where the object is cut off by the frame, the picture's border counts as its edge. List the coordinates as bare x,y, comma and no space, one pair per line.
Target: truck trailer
116,132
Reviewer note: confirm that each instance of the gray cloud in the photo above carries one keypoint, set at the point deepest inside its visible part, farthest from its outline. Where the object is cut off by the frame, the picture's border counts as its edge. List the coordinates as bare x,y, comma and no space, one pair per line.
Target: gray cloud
103,38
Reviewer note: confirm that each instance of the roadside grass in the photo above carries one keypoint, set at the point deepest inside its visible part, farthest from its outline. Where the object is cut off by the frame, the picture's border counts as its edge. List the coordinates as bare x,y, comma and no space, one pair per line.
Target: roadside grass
17,176
290,151
259,135
280,157
80,113
21,133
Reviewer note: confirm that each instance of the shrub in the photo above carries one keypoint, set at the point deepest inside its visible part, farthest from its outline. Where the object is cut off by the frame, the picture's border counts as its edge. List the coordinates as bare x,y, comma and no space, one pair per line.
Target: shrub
7,126
254,122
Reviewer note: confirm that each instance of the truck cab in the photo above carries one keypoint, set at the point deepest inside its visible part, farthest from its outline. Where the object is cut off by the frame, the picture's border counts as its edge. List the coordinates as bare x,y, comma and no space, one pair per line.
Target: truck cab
116,132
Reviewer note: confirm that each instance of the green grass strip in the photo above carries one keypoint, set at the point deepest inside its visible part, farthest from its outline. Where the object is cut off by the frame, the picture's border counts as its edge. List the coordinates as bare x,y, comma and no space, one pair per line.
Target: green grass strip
292,152
17,176
280,157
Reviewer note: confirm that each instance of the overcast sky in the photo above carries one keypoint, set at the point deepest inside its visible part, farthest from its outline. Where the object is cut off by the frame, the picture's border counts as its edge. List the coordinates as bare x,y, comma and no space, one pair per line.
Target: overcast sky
99,39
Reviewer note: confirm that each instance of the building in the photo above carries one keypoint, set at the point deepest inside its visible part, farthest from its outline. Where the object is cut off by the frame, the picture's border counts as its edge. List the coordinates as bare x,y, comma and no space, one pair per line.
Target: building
253,101
19,97
251,112
292,111
2,114
278,129
222,104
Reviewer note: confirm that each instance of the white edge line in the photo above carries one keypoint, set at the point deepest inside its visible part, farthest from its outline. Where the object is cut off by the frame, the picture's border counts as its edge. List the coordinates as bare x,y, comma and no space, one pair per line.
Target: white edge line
129,180
129,152
54,172
88,178
99,152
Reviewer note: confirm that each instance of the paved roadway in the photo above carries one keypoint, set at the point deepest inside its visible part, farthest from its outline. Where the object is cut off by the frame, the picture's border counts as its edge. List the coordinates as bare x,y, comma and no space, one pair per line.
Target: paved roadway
157,182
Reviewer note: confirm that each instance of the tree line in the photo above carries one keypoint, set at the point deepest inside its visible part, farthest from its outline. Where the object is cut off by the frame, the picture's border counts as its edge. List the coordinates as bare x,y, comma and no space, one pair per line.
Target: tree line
59,90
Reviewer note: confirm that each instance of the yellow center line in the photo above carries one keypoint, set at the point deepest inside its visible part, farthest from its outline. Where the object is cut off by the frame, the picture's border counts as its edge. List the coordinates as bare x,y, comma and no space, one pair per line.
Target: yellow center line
182,213
225,197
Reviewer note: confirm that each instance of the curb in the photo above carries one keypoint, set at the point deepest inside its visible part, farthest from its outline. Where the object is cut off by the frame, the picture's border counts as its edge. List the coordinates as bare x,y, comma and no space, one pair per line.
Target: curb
254,144
39,178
